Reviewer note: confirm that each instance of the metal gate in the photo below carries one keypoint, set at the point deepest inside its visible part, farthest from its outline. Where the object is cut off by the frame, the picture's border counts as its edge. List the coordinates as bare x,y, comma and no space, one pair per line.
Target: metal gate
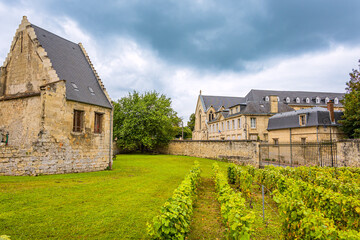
309,154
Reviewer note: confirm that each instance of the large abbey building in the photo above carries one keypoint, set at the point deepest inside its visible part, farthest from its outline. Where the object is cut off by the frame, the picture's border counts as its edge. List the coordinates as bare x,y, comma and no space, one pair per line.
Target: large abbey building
246,118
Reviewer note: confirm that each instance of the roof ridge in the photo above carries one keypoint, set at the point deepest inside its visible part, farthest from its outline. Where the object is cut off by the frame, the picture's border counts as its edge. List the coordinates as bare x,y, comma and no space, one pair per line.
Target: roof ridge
33,25
292,91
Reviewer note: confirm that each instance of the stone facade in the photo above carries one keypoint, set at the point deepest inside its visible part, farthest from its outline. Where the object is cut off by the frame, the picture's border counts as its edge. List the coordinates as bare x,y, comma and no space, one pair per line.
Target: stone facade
240,152
38,117
306,135
229,118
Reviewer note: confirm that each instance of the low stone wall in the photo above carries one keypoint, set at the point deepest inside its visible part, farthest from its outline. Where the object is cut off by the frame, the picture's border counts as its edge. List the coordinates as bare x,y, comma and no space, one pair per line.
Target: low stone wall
238,151
50,158
348,153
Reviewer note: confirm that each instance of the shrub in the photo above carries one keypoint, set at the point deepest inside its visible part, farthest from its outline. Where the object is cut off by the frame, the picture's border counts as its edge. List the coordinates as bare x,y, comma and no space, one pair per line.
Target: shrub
237,218
174,219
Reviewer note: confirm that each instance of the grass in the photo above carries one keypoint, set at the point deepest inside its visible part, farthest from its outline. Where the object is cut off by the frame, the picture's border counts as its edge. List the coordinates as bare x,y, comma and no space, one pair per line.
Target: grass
206,222
98,205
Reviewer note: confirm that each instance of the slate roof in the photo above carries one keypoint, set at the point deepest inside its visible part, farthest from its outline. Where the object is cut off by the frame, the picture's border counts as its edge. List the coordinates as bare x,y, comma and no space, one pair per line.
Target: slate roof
256,108
218,101
259,96
316,116
71,65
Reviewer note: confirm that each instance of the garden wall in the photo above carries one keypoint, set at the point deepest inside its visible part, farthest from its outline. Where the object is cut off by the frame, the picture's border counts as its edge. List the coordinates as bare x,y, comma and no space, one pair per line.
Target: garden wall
348,153
238,151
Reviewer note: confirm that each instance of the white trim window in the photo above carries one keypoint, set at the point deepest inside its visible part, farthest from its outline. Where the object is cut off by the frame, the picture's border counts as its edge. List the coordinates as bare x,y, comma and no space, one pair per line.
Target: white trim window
327,100
317,100
336,100
307,100
267,98
297,100
287,99
253,122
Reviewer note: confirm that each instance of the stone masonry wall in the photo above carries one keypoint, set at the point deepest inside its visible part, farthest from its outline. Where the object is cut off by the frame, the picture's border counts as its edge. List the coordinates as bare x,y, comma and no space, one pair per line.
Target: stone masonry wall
348,153
238,151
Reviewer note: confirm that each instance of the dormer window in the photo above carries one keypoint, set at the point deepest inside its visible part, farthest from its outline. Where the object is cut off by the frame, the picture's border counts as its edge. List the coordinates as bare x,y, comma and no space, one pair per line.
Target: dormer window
74,86
288,100
278,99
302,120
297,100
267,98
336,100
317,100
307,100
327,100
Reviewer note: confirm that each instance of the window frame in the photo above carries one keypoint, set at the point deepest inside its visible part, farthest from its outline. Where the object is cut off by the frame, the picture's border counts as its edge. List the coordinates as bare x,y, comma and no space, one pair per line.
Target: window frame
302,119
98,129
253,120
78,121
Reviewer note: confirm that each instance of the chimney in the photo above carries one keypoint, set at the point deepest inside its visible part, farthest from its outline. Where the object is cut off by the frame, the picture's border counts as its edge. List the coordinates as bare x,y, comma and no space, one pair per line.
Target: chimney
330,108
274,104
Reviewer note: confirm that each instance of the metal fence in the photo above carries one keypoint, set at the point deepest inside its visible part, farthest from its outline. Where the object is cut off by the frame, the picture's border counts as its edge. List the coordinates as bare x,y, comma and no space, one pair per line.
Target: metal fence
309,154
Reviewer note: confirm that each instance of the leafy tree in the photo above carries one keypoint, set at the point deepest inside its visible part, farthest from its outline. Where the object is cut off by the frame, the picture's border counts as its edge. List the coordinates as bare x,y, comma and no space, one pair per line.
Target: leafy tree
144,121
187,132
351,102
191,122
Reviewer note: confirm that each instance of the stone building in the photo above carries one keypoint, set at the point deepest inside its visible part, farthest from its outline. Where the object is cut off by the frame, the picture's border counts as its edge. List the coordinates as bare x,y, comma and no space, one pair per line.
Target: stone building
56,116
246,118
310,125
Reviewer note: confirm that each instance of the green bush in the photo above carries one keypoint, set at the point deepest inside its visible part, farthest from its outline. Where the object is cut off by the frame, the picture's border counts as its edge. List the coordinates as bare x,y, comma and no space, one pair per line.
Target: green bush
4,237
237,218
174,219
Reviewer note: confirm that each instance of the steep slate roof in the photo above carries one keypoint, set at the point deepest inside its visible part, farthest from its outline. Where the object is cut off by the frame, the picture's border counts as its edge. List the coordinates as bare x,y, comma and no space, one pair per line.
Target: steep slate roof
218,101
70,64
259,95
316,116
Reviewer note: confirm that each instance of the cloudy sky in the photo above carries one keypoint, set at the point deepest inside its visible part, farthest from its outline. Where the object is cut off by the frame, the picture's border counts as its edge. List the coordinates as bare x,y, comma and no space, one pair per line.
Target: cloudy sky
220,47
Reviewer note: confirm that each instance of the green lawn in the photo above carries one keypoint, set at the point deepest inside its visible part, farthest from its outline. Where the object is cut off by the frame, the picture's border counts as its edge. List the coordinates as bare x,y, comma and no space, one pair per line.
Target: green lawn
99,205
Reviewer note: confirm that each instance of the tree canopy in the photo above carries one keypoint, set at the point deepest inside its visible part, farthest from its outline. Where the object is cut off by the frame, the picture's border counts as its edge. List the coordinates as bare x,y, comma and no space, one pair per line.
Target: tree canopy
351,102
144,121
191,122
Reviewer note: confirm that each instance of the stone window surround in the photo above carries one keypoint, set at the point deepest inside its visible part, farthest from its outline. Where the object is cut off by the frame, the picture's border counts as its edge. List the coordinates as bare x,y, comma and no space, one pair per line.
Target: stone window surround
253,123
302,119
98,116
78,121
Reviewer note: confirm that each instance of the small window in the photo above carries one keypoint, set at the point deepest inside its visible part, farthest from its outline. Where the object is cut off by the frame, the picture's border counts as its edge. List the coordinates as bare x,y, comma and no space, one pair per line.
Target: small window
233,124
91,91
78,122
276,141
253,122
307,100
222,126
74,86
253,137
267,98
288,100
302,120
239,123
317,100
327,100
278,99
297,100
303,140
98,122
336,100
228,125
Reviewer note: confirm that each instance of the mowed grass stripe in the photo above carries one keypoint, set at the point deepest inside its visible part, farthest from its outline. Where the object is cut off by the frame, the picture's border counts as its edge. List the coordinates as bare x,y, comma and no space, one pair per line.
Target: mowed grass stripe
98,205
